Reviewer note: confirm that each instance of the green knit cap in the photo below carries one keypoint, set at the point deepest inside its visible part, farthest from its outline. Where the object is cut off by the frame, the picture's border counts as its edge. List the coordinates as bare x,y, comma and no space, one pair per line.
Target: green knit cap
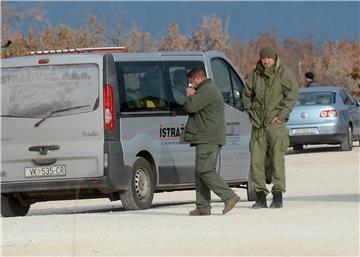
268,52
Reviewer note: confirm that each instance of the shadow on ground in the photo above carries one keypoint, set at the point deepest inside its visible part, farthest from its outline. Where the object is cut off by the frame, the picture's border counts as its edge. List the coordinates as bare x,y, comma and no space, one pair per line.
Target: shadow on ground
317,149
325,198
94,209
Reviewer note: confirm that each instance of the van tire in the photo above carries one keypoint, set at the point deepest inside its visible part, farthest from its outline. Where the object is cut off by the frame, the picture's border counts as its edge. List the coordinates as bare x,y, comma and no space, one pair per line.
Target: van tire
298,148
140,192
11,207
347,144
251,193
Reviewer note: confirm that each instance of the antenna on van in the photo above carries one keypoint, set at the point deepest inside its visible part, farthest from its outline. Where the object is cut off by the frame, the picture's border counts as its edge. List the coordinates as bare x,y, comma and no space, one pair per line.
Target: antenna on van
93,50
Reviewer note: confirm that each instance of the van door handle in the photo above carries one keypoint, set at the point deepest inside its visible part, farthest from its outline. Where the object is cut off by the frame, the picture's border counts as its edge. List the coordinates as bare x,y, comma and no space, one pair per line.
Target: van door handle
43,149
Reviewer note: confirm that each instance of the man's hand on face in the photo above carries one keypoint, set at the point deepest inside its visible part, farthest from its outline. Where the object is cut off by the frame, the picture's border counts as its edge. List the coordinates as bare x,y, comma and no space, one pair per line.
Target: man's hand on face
190,91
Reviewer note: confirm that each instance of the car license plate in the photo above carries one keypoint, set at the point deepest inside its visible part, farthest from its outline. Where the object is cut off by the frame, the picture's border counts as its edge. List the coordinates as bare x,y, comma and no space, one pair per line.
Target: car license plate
45,171
304,131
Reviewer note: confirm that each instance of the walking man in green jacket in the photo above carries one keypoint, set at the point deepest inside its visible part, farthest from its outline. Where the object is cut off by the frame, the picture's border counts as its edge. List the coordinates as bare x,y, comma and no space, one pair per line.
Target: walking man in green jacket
269,96
205,130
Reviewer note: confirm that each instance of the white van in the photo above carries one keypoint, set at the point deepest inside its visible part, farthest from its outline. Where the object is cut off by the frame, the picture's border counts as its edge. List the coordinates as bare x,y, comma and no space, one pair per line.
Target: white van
105,123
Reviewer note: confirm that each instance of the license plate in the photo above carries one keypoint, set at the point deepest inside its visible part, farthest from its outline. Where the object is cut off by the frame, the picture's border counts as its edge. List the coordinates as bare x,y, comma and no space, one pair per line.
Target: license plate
304,131
45,171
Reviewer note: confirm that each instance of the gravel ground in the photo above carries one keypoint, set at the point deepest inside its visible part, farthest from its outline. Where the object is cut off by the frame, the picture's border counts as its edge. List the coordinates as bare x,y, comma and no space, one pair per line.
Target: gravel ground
320,217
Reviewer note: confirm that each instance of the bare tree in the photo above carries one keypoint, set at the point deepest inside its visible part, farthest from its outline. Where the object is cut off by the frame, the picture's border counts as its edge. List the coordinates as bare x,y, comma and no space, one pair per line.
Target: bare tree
210,34
140,41
174,40
333,63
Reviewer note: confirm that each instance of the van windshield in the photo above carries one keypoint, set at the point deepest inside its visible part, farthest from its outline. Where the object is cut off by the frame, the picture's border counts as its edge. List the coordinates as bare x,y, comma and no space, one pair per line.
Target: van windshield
37,91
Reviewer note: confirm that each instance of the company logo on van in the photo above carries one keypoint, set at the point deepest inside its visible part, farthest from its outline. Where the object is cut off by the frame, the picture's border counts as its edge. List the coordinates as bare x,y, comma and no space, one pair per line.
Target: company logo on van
90,134
170,135
233,133
5,139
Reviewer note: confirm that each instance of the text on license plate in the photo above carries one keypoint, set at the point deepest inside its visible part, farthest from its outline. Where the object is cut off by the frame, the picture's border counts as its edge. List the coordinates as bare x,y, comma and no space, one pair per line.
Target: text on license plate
304,131
45,171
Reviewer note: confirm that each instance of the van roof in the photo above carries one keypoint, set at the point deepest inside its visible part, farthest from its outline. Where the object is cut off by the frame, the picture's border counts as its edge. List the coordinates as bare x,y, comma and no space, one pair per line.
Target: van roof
84,57
147,56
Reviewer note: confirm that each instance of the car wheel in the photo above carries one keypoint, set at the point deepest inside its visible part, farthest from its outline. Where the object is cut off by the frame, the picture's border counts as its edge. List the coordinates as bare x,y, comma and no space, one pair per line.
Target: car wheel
298,147
347,144
140,192
11,207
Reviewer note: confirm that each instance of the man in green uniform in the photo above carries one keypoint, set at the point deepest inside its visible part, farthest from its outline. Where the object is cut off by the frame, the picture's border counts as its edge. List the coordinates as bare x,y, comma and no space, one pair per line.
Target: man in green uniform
269,96
205,130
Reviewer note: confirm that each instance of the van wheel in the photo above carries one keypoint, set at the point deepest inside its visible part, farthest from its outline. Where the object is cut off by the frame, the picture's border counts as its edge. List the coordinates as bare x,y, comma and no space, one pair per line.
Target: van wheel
347,144
251,193
298,147
11,207
140,193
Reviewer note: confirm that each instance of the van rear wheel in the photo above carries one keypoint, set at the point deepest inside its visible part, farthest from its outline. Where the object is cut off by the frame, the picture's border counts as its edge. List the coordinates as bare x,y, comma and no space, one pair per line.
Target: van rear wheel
140,192
11,207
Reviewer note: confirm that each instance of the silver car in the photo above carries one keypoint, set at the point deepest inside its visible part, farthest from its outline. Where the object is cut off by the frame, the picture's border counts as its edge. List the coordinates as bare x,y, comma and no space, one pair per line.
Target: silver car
324,115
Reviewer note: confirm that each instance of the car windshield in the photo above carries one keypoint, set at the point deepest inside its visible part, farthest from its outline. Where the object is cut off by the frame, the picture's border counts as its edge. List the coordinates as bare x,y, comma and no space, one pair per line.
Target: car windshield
37,91
316,98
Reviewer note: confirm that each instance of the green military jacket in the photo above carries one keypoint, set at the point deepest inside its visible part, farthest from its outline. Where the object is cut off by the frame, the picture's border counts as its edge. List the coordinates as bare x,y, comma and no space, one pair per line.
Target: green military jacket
206,123
269,93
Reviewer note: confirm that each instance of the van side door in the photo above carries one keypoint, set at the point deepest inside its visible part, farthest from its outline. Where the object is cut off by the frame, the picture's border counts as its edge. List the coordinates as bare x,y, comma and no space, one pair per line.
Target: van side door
234,156
183,156
144,111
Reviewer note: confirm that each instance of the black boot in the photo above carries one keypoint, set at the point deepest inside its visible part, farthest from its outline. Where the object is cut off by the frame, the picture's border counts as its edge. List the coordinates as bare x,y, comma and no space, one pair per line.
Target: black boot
277,200
260,201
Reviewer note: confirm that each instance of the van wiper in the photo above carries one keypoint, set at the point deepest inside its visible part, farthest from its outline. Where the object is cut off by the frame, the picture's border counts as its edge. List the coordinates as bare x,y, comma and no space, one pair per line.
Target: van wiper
37,124
8,115
13,116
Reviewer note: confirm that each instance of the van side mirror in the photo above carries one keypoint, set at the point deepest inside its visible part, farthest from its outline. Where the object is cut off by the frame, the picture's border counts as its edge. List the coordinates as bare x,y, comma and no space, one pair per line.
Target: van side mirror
238,100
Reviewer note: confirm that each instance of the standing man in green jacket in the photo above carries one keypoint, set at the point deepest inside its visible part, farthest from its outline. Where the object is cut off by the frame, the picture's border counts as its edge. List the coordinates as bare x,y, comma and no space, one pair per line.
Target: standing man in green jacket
205,130
269,96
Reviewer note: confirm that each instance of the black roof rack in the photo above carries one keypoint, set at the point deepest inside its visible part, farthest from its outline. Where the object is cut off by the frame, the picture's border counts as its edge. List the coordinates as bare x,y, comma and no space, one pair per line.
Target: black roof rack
119,49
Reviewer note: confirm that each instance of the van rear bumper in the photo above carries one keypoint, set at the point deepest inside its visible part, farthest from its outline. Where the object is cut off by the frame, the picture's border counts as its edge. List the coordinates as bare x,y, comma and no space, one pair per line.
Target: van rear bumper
116,177
101,183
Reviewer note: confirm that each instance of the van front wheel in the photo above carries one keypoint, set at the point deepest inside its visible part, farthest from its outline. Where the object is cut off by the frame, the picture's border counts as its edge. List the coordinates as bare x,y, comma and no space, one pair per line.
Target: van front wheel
140,192
11,207
251,193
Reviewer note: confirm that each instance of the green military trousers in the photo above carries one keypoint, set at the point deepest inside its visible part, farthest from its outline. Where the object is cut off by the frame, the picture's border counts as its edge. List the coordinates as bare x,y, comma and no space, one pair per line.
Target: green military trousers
272,140
206,177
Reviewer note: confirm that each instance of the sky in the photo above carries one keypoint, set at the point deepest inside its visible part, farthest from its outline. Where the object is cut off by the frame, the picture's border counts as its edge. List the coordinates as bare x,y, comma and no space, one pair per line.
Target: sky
323,20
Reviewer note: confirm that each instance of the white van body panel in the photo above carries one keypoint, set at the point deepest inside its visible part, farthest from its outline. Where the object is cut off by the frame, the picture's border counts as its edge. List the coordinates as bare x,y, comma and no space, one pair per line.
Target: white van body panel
145,138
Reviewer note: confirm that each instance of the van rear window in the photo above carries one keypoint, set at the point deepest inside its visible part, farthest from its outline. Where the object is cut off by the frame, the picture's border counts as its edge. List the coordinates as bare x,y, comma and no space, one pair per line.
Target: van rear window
36,91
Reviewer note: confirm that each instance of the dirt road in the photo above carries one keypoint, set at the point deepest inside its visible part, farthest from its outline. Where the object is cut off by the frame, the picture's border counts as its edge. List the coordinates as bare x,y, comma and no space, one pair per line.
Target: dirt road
320,217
